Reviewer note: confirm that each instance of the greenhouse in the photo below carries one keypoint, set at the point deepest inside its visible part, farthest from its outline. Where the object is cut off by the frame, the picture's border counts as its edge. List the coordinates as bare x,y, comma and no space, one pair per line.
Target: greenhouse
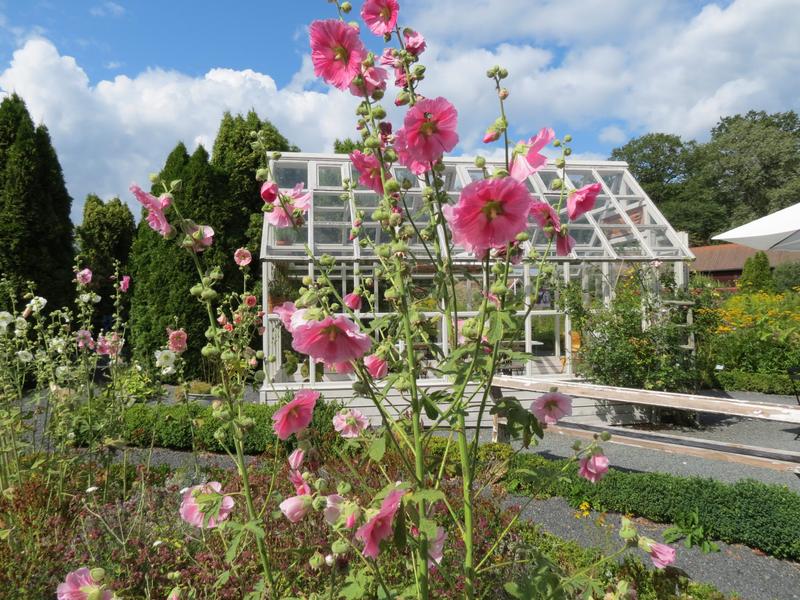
623,229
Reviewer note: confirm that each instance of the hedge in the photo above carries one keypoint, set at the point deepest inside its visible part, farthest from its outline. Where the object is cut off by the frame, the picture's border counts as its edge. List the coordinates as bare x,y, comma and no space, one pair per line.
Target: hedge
171,426
759,515
767,383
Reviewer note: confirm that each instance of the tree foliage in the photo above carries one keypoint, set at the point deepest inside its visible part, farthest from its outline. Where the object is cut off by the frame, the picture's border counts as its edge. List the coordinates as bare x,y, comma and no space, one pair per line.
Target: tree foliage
756,274
221,191
35,226
786,276
346,146
749,167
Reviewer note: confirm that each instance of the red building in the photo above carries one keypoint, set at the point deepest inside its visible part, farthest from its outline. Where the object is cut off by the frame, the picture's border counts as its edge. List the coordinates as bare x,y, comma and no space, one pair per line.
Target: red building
724,262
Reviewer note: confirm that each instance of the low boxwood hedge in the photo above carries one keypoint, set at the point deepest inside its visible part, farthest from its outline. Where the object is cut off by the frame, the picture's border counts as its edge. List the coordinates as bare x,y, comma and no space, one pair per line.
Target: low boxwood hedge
766,383
175,426
759,515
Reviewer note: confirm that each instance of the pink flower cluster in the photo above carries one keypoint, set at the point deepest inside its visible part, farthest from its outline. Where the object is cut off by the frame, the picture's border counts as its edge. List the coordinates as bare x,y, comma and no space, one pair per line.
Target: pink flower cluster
289,201
206,506
156,218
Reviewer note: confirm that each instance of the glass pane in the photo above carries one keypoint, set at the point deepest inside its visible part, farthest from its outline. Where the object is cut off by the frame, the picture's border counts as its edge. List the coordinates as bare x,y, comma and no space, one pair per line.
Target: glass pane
475,174
287,175
329,176
547,178
402,174
615,181
327,200
580,178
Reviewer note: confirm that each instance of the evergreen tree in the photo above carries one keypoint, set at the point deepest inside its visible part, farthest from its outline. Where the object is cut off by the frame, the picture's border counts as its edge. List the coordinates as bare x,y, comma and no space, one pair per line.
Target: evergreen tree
346,146
35,229
222,193
756,274
105,236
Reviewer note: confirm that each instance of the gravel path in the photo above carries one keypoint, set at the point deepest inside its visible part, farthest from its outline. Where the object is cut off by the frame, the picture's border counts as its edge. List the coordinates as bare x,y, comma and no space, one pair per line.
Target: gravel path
734,569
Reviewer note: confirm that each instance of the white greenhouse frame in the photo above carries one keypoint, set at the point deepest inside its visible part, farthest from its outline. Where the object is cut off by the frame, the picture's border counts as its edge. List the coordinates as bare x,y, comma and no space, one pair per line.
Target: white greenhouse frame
624,227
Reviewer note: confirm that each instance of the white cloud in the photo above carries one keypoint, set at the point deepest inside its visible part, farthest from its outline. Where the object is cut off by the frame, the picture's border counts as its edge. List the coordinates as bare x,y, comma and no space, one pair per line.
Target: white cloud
606,70
612,134
107,9
119,130
113,65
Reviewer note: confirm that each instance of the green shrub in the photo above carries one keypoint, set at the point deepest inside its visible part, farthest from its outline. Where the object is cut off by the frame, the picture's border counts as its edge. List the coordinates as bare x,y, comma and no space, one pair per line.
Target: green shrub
787,276
756,274
762,516
766,383
175,426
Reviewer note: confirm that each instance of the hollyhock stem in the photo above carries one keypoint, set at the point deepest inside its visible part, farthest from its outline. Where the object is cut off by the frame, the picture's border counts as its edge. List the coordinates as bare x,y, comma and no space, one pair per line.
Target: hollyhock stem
241,464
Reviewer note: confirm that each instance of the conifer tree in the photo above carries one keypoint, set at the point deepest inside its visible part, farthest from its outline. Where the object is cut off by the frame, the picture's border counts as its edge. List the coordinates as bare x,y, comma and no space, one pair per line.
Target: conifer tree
35,228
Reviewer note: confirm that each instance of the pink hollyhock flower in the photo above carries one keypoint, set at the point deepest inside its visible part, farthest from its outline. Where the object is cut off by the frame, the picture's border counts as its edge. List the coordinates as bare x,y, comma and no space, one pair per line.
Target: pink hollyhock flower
352,518
296,415
436,548
415,43
406,158
376,366
84,338
526,159
380,15
80,585
291,200
342,367
125,283
489,214
352,301
594,467
336,52
333,508
301,487
430,129
379,527
296,459
242,257
177,340
201,236
582,200
547,219
661,554
372,78
564,243
205,505
552,406
296,507
84,276
369,170
250,301
390,59
350,423
285,312
269,191
332,340
110,345
155,210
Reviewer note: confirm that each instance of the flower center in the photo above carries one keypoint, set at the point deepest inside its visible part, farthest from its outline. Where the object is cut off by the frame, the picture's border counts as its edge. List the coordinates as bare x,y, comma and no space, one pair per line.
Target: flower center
341,53
428,127
331,331
550,405
492,209
385,14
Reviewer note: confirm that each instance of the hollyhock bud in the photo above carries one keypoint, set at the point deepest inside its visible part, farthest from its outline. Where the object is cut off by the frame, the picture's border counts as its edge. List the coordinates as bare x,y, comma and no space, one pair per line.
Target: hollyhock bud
491,135
269,191
352,301
296,507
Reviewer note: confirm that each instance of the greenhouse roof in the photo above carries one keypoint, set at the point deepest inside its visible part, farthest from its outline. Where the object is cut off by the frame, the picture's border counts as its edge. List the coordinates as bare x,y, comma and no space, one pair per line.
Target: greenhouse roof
625,225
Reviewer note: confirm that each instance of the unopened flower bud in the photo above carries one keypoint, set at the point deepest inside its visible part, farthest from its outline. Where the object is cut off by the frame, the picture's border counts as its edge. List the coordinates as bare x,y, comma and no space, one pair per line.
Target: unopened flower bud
480,162
339,547
153,177
98,574
523,236
316,561
503,93
377,94
568,138
372,142
560,162
392,186
567,151
343,488
556,184
379,112
346,7
556,143
262,174
502,73
276,156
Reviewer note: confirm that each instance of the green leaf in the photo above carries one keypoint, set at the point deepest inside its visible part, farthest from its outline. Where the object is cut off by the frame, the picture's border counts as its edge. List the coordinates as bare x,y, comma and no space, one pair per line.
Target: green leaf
377,449
428,496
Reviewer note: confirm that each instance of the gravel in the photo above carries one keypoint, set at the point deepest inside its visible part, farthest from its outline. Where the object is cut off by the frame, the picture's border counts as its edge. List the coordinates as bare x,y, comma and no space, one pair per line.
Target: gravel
735,568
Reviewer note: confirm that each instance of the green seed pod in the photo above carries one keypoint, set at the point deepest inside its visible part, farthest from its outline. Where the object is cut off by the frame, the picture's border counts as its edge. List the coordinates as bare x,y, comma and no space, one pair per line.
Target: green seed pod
196,290
208,294
392,186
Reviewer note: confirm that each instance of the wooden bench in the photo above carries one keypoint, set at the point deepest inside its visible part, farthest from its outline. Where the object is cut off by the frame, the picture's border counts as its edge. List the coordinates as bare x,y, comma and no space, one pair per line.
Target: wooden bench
781,460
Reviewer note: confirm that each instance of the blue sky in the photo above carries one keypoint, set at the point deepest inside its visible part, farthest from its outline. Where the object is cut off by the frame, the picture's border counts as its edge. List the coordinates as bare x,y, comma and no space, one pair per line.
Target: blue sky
120,82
